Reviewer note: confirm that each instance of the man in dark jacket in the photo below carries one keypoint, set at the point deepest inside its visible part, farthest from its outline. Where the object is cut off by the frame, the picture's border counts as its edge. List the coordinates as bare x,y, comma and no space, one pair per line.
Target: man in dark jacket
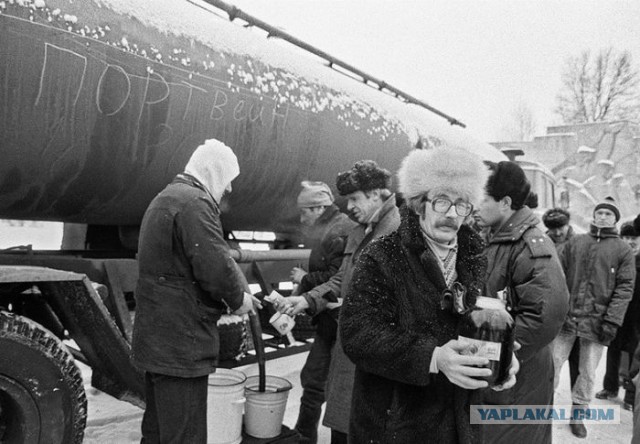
626,339
560,231
187,280
522,261
413,381
600,274
326,235
373,205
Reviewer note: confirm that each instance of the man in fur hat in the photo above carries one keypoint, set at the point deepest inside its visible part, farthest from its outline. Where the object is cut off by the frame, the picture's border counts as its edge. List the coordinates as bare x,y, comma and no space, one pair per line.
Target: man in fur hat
524,262
414,381
326,235
187,280
600,274
559,231
370,202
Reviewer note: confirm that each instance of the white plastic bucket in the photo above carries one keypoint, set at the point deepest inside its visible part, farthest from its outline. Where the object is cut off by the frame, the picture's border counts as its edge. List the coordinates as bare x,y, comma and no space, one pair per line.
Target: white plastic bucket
225,404
264,411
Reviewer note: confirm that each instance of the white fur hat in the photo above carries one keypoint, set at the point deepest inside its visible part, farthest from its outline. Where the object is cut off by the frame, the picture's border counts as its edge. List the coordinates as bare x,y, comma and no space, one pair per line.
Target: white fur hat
443,169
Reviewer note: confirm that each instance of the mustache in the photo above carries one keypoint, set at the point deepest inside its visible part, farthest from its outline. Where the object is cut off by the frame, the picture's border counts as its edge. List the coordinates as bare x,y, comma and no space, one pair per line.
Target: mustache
448,223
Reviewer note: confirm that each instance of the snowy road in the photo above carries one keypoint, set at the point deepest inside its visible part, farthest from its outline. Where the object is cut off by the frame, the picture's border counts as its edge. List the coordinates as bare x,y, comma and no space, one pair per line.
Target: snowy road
113,421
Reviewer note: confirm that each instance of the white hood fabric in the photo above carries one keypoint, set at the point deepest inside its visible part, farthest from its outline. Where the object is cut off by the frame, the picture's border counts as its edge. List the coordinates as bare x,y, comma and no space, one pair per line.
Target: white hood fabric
215,165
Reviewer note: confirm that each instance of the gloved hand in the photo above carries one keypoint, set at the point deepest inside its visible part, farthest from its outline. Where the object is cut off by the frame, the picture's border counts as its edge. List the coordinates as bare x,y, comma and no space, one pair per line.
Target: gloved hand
608,332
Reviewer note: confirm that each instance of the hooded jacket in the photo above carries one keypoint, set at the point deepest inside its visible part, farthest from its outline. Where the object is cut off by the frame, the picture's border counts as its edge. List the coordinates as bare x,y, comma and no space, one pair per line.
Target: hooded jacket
390,324
600,271
521,258
187,277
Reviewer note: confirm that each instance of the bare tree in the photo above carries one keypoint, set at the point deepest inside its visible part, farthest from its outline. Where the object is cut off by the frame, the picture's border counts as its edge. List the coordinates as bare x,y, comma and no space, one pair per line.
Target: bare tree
521,126
599,87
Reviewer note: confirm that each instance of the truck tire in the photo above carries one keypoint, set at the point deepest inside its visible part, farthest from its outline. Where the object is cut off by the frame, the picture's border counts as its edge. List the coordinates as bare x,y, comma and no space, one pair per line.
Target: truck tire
42,397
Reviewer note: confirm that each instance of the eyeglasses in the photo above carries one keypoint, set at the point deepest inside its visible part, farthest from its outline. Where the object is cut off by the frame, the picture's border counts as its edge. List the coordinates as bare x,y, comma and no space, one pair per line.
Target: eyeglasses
442,205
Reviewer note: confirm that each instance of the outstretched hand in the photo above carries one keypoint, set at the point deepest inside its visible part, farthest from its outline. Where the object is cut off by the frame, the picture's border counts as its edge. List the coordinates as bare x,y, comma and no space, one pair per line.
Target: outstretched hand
249,304
297,274
293,305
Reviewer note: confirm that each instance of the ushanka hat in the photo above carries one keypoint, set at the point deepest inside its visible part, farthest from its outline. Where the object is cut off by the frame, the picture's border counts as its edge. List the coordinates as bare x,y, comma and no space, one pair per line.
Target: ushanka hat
610,204
365,175
555,218
443,169
627,229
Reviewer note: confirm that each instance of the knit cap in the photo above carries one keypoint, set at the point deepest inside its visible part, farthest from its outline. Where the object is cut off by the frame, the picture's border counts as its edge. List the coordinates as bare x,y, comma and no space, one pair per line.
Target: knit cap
610,204
314,194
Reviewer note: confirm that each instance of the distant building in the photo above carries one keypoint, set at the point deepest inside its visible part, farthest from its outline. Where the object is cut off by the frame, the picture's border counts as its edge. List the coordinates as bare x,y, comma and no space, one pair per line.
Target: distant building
581,178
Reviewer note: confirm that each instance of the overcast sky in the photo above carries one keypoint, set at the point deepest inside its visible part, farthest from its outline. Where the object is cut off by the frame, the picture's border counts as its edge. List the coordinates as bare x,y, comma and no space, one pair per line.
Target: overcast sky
472,59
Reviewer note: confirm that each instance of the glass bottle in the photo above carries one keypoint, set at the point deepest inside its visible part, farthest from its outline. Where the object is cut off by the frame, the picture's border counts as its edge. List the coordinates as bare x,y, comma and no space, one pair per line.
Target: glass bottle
488,331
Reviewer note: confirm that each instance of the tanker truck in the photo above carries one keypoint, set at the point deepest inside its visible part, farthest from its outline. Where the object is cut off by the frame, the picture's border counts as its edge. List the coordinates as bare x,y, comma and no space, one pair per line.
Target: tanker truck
101,103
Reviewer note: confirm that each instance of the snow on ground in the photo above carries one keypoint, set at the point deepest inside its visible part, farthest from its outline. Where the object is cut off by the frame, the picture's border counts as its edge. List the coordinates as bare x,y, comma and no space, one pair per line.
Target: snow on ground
41,235
113,421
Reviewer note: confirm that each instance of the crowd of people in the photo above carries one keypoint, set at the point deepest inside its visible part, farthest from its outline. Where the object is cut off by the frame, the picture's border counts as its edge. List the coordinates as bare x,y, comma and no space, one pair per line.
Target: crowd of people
386,357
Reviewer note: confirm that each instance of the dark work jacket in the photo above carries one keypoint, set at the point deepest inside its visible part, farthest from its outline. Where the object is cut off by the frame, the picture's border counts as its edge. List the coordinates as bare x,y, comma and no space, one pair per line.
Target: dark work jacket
390,324
601,272
628,335
341,371
521,257
187,278
327,242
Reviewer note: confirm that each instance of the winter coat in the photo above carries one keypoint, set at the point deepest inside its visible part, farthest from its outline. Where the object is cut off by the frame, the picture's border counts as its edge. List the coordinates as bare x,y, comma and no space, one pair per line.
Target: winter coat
600,270
341,370
391,322
521,258
186,278
560,245
628,335
327,242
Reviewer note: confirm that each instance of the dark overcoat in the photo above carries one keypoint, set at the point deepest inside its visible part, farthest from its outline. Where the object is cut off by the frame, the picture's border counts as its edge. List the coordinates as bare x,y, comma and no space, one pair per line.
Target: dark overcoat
601,273
187,279
341,371
520,257
628,335
391,323
327,240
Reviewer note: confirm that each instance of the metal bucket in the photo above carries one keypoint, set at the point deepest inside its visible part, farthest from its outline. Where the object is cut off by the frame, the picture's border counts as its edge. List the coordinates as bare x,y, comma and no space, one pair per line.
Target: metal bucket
224,406
264,411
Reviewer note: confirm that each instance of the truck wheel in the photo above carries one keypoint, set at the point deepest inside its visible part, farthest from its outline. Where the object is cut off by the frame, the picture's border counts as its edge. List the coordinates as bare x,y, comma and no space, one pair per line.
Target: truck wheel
42,397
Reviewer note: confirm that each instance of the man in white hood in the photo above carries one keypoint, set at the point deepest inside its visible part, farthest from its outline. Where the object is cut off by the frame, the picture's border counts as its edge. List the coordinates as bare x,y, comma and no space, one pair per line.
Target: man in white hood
187,280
